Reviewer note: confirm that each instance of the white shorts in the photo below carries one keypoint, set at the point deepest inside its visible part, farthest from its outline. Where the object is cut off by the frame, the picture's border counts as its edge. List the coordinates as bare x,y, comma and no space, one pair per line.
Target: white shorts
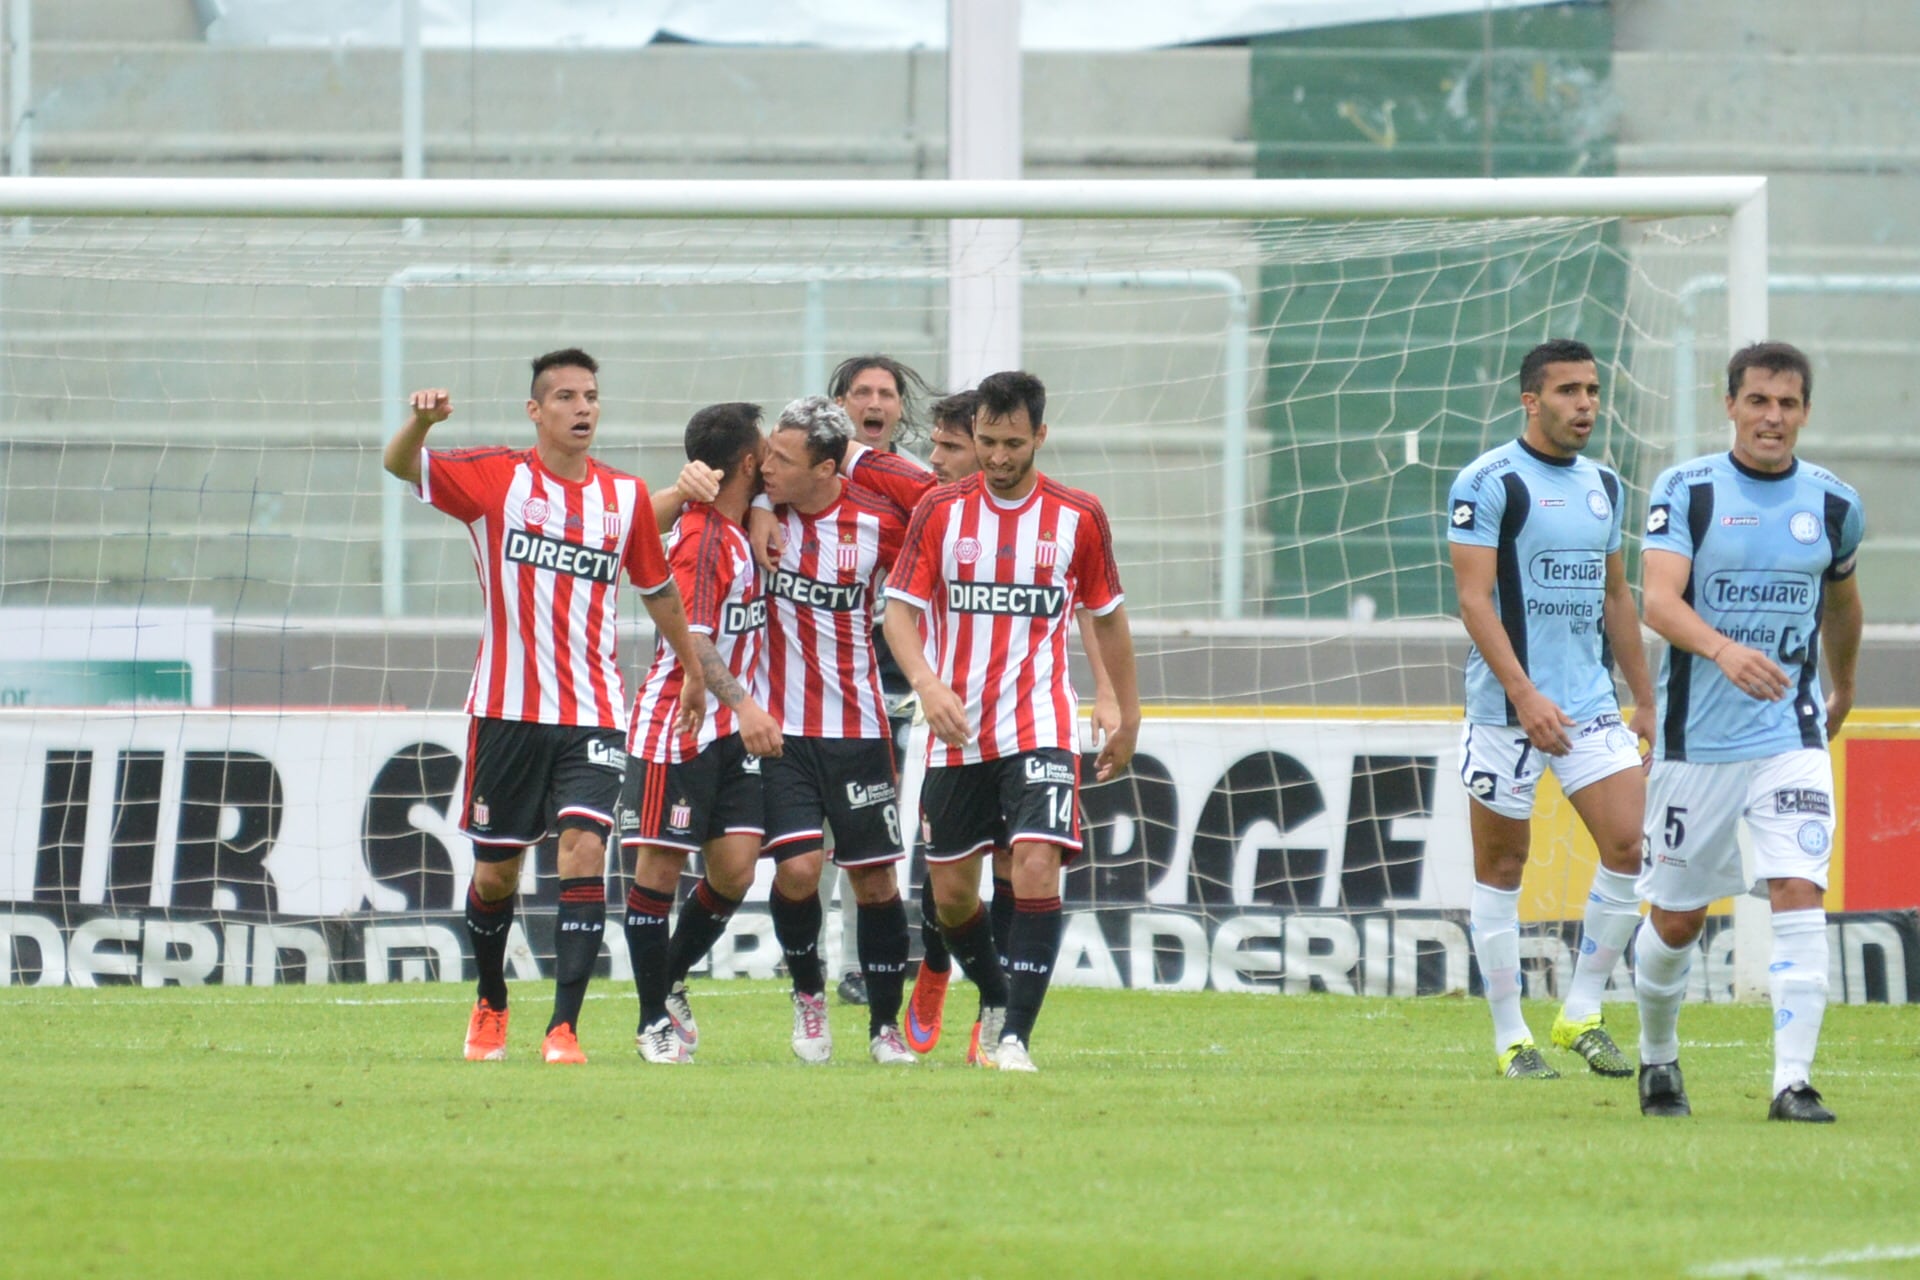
1693,850
1501,768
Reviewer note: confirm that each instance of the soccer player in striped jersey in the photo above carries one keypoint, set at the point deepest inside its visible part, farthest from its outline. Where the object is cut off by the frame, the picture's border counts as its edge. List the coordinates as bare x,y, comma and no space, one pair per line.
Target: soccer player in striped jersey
1535,534
1749,575
996,564
699,790
837,768
952,457
552,529
878,393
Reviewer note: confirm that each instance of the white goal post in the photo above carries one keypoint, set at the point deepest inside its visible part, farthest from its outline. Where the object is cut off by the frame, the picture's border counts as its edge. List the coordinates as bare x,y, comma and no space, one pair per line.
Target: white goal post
553,206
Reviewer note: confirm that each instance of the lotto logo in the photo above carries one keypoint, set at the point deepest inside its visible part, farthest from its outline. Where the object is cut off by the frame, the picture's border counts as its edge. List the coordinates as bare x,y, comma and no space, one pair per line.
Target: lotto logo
1482,785
1463,515
1657,517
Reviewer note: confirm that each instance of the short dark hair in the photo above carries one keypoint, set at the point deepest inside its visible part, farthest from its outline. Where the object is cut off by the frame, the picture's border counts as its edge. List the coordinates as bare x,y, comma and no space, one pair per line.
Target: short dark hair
1001,393
1774,357
955,412
826,424
1533,369
720,435
564,358
909,384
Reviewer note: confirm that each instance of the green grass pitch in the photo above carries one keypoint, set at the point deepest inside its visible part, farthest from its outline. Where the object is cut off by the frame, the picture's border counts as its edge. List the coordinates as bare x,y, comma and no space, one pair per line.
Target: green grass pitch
336,1132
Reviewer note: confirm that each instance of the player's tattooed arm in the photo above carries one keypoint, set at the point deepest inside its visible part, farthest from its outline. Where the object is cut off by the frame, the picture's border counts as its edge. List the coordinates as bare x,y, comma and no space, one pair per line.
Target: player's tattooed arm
759,731
719,679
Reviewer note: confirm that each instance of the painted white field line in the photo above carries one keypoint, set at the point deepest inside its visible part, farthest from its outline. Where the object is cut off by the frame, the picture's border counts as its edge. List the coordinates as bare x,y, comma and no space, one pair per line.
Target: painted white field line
1792,1268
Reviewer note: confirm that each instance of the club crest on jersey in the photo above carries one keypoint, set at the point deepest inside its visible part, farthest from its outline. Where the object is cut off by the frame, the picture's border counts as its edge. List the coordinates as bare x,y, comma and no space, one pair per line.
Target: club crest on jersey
610,524
967,550
681,815
1463,515
1598,504
1805,527
848,556
1812,837
535,511
482,815
1659,515
1047,554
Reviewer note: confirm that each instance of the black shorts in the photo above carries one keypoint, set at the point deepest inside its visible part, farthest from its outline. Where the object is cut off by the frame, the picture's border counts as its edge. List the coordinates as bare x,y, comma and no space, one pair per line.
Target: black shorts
526,781
684,805
848,783
971,808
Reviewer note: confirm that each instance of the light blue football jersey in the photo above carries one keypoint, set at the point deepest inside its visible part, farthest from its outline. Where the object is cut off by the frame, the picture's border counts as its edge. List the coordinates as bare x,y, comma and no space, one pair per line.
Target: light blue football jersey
1763,547
1553,523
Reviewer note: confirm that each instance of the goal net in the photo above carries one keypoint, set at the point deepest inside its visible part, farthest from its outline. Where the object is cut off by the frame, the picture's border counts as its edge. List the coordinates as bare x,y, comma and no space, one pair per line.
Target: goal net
236,652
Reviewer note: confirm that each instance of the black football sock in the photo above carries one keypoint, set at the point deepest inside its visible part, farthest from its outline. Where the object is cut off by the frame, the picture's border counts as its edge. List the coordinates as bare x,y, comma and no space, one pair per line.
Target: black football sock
884,945
647,946
796,925
487,926
972,945
702,921
1034,947
1001,911
578,928
932,946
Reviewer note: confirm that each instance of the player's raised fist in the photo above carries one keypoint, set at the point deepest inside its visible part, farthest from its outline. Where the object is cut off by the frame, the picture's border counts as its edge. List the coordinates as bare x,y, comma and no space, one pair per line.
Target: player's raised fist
431,407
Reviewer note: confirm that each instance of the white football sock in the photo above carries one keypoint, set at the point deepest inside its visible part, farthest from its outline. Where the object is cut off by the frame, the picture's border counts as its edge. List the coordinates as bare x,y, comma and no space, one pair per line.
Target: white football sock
1659,982
1612,913
1496,945
1797,981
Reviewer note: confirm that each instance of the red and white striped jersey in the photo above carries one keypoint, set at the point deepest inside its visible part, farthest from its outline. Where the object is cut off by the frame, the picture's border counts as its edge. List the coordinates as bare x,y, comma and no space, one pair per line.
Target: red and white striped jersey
549,553
821,673
713,563
999,583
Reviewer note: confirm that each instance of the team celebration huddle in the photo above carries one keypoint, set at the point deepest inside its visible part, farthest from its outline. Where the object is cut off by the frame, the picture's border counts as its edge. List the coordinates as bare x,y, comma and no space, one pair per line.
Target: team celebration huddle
817,590
764,727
